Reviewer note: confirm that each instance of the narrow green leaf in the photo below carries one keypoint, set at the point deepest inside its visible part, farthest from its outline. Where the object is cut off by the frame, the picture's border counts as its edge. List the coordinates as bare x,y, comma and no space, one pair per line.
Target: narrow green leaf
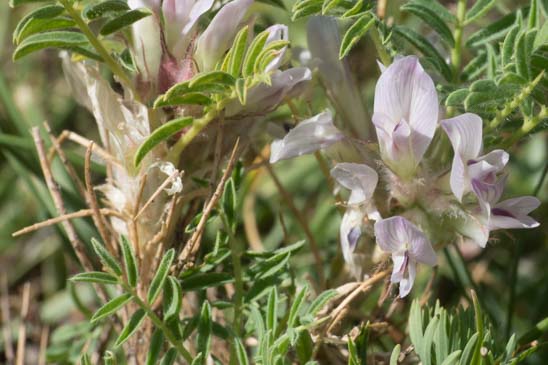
425,352
508,45
212,77
131,327
257,320
241,354
43,13
14,3
170,357
177,89
203,340
159,135
271,51
395,355
456,98
478,10
94,10
431,18
353,10
328,5
354,33
510,348
130,261
105,257
415,325
173,295
241,90
95,277
491,61
229,201
475,67
320,301
198,359
468,351
521,55
419,42
57,39
272,310
478,315
305,8
441,341
353,358
201,281
191,98
296,307
116,24
452,359
35,26
253,52
111,307
160,277
439,9
534,15
493,31
156,343
237,52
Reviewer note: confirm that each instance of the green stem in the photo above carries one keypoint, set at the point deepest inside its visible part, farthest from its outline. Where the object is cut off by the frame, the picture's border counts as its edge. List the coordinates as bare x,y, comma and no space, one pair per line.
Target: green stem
456,52
159,324
528,125
515,103
238,274
111,63
381,50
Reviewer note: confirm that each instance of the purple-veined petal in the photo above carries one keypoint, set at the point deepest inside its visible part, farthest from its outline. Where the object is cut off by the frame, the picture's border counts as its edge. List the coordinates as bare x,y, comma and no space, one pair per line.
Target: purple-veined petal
350,232
181,17
220,33
487,166
488,193
391,233
277,32
308,136
407,282
400,260
263,98
360,179
465,133
513,213
404,91
475,228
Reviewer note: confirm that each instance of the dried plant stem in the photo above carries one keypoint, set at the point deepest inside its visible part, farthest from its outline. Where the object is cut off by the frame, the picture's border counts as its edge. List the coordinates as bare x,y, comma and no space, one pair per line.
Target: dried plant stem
6,332
336,314
44,336
22,335
94,205
66,217
58,201
193,244
302,222
84,142
158,191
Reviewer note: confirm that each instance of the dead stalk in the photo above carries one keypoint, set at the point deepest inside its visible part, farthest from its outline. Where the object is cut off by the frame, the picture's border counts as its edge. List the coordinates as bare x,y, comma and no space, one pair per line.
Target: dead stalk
58,201
8,350
22,335
193,244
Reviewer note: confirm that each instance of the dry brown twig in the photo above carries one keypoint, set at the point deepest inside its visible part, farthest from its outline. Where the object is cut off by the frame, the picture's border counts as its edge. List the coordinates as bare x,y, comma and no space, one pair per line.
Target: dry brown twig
22,334
58,201
68,216
91,198
8,350
193,244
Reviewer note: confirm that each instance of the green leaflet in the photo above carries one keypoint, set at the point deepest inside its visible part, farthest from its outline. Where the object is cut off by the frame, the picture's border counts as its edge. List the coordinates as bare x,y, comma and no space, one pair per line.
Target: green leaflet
478,10
43,13
111,307
106,258
432,19
191,98
160,277
173,295
124,20
130,261
355,33
131,327
95,277
159,135
14,3
203,340
95,11
156,343
426,48
73,41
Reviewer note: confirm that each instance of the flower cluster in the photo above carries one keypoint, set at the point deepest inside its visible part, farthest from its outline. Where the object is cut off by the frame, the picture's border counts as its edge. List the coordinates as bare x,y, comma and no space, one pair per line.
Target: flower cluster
421,203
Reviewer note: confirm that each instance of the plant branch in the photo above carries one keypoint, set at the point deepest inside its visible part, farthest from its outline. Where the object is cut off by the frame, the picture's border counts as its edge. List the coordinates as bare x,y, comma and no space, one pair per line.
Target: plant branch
456,52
